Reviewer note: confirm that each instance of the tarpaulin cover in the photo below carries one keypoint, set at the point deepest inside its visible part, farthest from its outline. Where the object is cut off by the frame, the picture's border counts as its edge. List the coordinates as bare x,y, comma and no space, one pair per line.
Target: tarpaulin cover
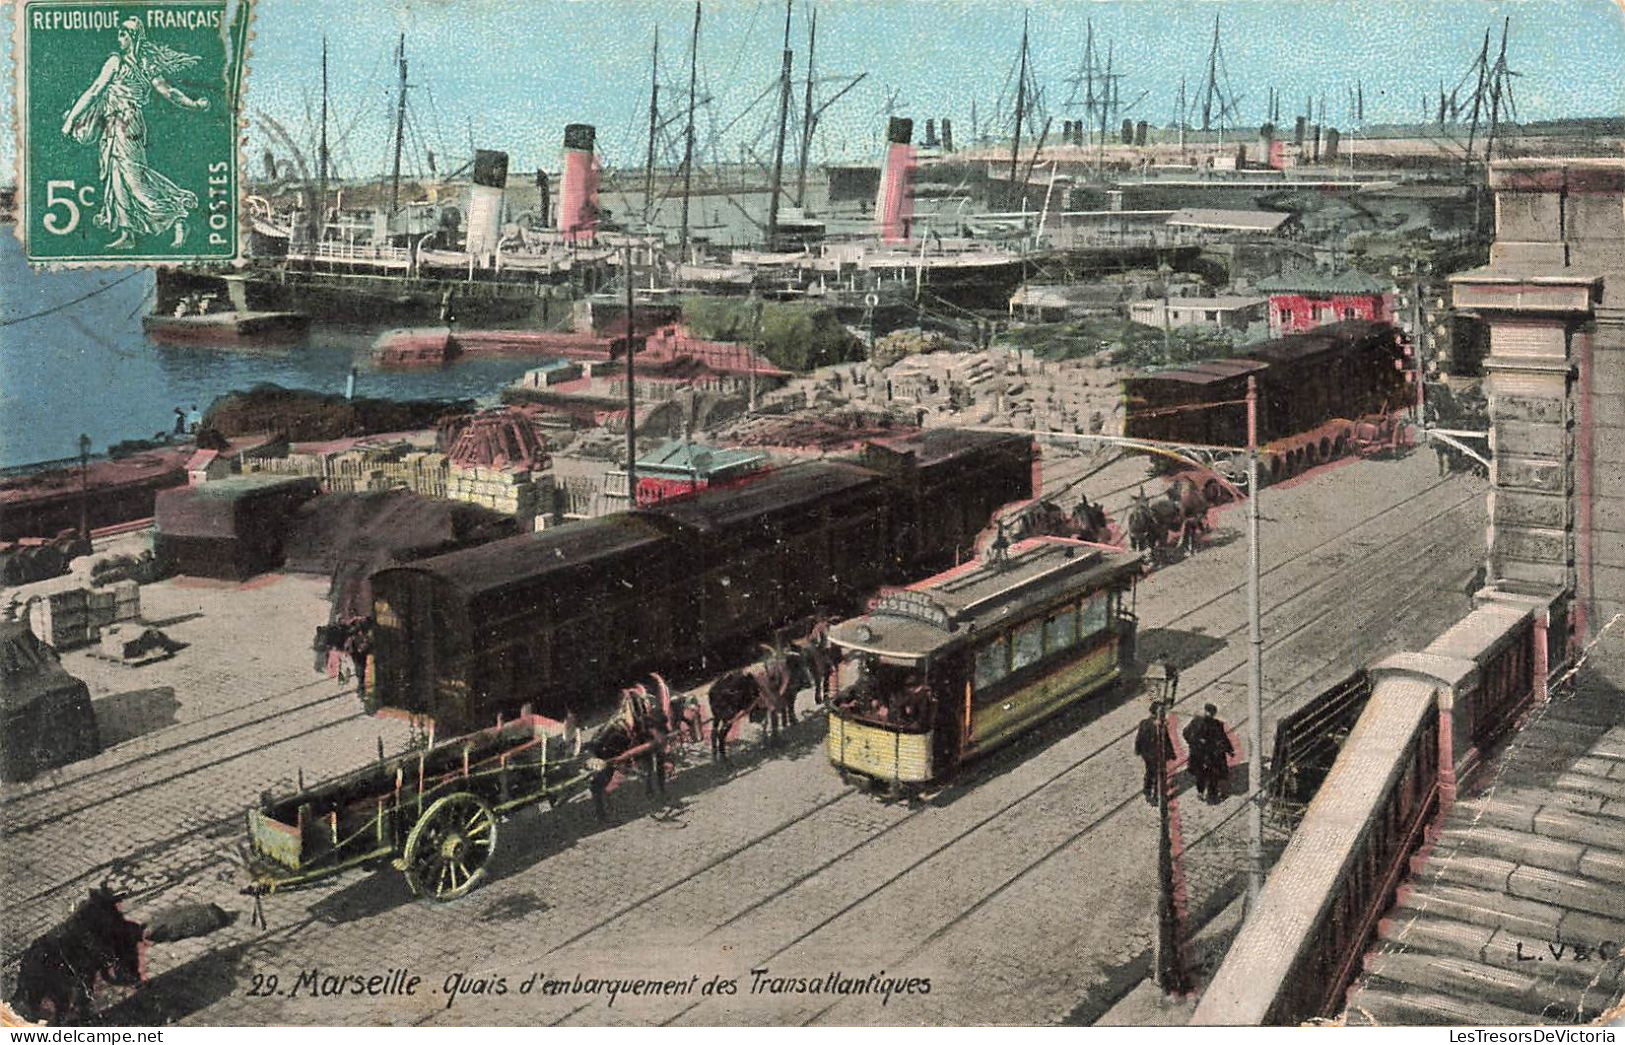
348,536
45,715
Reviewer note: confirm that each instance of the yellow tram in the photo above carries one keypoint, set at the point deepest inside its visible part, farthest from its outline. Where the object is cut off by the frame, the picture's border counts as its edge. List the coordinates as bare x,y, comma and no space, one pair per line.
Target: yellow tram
950,668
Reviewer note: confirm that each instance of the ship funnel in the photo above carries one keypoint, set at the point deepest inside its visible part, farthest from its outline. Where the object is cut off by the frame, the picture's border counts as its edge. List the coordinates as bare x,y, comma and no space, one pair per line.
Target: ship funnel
578,191
1332,139
894,207
947,134
544,200
485,201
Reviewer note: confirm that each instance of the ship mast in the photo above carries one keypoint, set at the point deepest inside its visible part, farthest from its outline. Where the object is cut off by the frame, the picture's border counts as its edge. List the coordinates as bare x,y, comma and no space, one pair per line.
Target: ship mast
654,120
688,134
806,117
319,219
400,129
1021,103
778,138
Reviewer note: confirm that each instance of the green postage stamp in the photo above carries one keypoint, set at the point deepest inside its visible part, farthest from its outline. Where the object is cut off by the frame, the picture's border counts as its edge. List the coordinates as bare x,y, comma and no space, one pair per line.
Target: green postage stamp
127,125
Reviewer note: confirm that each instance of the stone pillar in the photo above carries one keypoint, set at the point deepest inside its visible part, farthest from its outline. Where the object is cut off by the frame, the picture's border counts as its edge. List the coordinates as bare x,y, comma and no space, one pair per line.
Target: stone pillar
1553,297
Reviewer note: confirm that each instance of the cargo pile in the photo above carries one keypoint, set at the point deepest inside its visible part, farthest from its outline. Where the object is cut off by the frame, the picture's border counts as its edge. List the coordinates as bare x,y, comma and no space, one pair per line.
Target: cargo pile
364,468
511,491
72,616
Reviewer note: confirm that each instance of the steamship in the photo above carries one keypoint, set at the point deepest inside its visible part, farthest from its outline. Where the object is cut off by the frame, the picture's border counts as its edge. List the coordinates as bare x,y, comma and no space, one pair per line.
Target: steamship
446,260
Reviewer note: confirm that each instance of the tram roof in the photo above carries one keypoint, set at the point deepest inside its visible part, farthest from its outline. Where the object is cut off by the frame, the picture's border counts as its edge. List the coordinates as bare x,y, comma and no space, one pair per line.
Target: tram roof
970,601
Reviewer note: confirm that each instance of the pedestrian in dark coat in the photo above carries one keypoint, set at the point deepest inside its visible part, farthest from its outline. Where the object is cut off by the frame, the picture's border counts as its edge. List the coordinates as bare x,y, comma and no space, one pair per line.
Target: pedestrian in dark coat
1210,749
1145,746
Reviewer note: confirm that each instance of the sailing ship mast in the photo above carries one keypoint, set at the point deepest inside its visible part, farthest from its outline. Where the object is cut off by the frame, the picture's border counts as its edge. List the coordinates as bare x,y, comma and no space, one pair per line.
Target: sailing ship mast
318,221
654,121
778,138
400,129
806,117
688,134
1021,103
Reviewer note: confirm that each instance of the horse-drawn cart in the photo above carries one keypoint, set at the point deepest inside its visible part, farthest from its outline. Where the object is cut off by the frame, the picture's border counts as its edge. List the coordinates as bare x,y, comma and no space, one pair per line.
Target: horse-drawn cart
431,813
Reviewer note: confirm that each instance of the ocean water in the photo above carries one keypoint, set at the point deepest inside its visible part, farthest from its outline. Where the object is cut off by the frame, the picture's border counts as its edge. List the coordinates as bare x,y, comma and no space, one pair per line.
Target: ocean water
87,368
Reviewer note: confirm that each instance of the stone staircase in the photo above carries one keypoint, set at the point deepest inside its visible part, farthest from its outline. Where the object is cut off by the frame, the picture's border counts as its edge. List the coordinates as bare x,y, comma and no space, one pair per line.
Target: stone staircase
1515,915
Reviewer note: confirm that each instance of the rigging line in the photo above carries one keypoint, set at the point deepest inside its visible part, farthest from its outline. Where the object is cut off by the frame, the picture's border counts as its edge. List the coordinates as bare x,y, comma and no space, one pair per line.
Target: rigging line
69,304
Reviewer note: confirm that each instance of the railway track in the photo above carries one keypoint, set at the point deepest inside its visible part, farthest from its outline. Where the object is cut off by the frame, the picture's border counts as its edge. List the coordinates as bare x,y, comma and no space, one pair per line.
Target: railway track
162,847
1032,794
827,810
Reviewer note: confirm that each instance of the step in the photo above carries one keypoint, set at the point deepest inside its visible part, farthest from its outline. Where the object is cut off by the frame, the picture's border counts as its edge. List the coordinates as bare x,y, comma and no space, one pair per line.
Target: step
1547,729
1567,891
1585,927
1551,798
1577,827
1612,790
1526,918
1505,844
1381,1006
1478,872
1612,744
1605,865
1459,977
1600,767
1429,933
1494,810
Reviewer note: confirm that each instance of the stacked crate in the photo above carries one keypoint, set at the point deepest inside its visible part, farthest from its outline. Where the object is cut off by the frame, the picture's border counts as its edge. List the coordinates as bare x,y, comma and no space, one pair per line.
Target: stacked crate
516,492
62,619
361,469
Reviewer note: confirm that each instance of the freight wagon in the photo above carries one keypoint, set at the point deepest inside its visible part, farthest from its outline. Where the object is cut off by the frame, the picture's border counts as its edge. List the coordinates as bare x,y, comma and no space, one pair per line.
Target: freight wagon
558,620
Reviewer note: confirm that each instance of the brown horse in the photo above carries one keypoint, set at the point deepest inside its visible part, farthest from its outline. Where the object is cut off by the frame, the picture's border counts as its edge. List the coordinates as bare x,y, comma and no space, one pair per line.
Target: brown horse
637,733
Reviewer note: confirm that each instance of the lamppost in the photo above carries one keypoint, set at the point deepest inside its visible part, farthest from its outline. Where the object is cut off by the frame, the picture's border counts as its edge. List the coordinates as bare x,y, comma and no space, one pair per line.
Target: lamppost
1168,971
1411,279
1165,271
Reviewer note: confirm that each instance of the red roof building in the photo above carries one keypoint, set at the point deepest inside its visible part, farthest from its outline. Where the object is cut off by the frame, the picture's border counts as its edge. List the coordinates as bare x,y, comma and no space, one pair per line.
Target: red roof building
1301,301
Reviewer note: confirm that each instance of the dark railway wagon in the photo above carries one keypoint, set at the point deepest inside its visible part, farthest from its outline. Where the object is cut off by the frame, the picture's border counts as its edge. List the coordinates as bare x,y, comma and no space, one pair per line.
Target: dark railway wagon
1314,388
559,619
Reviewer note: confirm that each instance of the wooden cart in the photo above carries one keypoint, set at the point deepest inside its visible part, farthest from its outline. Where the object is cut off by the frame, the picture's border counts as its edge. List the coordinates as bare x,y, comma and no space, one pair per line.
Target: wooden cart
431,813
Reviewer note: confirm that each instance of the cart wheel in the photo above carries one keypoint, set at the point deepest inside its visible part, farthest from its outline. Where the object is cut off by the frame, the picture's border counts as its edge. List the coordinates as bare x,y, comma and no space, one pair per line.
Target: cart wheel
450,847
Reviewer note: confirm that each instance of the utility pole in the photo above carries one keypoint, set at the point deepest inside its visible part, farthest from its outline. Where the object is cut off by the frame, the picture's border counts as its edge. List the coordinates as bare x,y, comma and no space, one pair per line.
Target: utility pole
778,139
806,117
631,397
400,129
1255,668
654,124
84,488
688,135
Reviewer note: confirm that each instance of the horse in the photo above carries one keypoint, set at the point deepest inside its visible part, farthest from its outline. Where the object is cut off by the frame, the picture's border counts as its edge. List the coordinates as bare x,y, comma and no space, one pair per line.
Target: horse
811,661
733,694
62,966
640,724
1193,506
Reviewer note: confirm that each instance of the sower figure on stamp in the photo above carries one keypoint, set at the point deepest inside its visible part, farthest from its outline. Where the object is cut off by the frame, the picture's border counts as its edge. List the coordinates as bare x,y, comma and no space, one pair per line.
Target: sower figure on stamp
136,200
1146,746
1210,751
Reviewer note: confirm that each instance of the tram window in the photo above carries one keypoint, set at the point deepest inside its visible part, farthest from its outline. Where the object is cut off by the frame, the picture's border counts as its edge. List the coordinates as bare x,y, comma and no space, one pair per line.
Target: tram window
1061,630
1096,613
1026,645
992,663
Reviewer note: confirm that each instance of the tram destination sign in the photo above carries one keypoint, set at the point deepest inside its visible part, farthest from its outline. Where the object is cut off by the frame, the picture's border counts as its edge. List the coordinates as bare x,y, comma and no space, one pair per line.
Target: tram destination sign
915,605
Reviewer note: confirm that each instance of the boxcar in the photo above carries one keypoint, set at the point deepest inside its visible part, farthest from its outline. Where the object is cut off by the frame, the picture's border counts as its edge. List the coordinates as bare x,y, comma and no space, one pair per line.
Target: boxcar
558,620
1313,390
946,670
550,619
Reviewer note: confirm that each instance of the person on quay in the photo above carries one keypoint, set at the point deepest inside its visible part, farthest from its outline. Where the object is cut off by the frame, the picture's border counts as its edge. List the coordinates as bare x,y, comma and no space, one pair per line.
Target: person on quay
1210,749
1146,747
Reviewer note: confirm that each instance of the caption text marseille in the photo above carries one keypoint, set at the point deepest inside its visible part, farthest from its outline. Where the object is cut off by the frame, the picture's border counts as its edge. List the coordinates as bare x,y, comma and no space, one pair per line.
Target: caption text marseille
314,983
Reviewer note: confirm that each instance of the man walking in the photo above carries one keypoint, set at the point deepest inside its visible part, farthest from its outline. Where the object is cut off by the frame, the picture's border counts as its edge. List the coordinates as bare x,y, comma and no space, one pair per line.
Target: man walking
1155,748
1210,749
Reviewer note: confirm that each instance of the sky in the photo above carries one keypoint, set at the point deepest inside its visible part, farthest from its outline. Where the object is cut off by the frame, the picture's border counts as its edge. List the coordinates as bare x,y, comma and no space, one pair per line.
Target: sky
509,74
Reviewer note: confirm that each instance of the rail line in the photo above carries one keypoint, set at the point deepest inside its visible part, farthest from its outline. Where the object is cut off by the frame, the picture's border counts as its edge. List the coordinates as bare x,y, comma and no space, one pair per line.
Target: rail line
1412,553
161,845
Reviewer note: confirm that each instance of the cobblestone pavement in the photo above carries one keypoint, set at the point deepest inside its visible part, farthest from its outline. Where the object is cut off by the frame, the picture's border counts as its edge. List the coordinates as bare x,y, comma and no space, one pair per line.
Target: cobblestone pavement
1024,893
